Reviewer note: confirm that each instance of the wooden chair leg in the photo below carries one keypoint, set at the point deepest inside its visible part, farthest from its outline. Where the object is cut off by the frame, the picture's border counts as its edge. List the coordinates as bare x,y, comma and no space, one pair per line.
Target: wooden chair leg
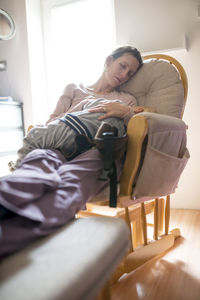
137,233
134,234
128,221
161,211
155,235
144,223
167,214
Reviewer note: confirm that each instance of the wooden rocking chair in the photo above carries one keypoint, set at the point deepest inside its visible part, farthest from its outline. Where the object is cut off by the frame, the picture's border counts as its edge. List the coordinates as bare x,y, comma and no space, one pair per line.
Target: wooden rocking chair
161,84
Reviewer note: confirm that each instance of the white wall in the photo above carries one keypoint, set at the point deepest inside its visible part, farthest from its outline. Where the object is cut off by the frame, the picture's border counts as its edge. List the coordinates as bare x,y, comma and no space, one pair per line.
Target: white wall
187,195
16,54
15,51
154,24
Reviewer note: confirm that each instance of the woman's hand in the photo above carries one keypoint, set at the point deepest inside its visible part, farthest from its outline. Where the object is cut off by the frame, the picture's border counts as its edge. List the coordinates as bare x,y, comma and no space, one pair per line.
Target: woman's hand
138,109
111,109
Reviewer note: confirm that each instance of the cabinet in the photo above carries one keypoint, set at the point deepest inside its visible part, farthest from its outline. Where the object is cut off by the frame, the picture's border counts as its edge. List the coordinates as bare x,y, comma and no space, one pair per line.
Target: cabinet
11,127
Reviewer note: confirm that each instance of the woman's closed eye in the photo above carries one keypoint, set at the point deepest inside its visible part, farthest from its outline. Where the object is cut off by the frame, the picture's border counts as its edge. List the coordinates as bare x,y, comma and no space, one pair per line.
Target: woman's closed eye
123,66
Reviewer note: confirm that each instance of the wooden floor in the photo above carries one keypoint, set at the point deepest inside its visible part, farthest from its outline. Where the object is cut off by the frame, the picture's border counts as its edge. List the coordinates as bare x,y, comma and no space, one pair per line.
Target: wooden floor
172,276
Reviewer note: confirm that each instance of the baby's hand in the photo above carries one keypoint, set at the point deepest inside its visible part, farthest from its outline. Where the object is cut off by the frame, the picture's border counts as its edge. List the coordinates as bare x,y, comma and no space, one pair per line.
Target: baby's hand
138,109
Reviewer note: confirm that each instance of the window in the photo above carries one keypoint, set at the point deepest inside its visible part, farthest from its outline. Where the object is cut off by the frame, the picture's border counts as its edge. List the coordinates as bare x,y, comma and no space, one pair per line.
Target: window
79,35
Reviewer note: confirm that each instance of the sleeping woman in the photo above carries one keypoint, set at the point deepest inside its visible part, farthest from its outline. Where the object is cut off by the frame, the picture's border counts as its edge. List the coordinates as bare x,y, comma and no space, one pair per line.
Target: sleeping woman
46,191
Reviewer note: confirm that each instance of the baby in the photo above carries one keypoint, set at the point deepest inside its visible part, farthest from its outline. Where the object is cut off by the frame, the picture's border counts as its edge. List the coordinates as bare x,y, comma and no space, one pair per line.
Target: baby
61,133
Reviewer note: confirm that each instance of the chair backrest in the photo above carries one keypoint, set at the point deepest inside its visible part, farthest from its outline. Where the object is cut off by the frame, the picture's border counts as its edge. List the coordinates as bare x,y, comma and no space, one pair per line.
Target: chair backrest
179,68
161,83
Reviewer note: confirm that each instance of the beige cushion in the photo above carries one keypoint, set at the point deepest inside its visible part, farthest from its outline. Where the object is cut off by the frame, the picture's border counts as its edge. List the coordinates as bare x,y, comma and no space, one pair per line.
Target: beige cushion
157,85
74,263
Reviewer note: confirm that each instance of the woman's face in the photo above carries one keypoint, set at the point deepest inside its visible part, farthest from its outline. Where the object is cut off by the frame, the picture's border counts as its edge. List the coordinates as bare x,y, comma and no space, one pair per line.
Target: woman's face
121,69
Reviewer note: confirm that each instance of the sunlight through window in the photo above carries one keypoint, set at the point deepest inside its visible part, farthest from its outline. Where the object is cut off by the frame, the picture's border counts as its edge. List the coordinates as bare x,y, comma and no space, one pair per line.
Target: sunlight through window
81,36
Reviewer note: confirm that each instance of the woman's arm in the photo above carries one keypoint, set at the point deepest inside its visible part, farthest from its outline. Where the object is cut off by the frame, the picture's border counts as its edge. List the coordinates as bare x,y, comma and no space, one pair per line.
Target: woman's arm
118,110
63,103
123,110
79,106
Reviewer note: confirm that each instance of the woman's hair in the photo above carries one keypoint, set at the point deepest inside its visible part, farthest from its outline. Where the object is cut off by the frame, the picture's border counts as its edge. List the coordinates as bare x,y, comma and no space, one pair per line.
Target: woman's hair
127,49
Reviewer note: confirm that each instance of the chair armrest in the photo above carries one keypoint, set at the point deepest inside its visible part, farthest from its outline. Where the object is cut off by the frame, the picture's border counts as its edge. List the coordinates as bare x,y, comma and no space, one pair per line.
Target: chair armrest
136,130
29,128
139,126
160,122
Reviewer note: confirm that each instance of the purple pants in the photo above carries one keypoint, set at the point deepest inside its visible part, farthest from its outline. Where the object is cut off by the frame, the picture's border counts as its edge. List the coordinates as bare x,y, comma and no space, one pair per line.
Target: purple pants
44,193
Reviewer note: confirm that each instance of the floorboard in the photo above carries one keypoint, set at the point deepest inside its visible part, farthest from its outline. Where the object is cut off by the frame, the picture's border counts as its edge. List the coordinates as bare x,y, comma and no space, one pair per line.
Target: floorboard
175,275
